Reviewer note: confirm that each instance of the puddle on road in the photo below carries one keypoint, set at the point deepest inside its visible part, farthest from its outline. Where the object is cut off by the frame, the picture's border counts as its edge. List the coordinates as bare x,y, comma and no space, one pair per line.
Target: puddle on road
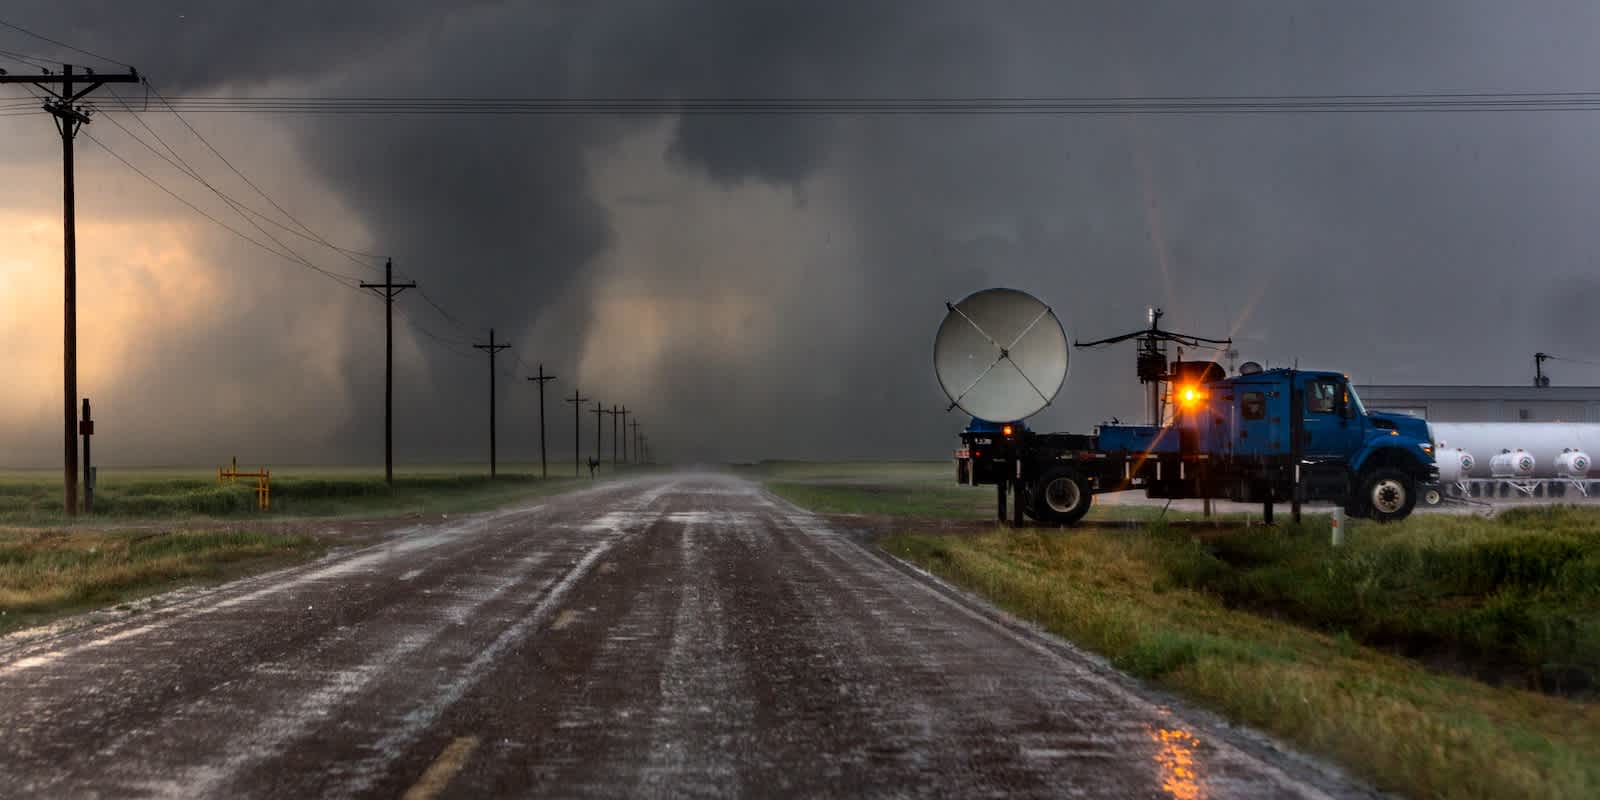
1180,777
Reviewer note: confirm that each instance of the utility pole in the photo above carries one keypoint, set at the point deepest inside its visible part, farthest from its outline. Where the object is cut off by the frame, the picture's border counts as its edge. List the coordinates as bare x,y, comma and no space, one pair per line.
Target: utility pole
491,348
614,414
387,290
577,401
638,455
1540,379
598,410
65,90
624,434
544,466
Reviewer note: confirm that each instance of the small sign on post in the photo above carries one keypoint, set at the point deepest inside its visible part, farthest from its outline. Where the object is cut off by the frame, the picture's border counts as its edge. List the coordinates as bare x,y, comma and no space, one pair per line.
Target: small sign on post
1336,520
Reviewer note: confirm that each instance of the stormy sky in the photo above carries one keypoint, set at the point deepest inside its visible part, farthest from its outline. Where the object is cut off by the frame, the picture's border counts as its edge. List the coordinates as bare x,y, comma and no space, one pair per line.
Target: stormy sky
769,286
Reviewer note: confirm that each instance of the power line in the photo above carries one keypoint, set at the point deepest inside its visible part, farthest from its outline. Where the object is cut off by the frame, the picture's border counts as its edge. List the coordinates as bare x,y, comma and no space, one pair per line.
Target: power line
877,106
449,345
346,252
235,205
345,280
43,38
188,169
23,58
191,172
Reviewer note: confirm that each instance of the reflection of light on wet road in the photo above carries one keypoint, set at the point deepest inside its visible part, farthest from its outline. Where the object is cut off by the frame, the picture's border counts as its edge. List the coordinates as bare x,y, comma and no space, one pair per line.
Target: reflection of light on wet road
1179,776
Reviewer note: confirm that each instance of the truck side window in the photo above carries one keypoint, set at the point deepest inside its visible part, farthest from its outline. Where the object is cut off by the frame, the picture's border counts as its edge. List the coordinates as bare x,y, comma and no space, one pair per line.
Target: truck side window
1253,405
1320,396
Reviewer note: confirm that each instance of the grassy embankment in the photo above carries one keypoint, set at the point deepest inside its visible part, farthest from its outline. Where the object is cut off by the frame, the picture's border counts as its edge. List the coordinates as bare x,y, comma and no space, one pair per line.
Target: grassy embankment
1410,654
155,529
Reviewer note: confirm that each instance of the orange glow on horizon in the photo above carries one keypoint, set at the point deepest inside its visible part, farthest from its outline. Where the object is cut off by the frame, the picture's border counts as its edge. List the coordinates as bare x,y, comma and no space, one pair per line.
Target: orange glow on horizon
134,279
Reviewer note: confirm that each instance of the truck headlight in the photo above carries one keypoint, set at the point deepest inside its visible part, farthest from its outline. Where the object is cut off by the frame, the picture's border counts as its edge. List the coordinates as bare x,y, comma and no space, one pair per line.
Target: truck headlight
1426,448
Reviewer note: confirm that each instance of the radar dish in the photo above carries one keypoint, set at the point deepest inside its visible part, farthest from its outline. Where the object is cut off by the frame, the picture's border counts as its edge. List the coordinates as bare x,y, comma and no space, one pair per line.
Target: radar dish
1249,368
1001,355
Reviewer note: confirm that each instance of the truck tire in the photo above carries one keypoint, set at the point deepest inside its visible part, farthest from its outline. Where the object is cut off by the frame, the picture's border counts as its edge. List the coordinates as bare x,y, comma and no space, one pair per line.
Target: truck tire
1387,495
1061,497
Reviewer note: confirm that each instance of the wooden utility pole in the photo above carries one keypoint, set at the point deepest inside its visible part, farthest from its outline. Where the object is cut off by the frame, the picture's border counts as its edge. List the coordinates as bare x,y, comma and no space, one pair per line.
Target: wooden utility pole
65,90
624,413
598,410
638,454
544,466
577,401
491,348
614,414
387,290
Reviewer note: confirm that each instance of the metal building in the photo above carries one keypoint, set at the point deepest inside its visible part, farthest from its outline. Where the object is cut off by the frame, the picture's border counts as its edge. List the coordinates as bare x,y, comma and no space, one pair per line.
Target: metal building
1486,403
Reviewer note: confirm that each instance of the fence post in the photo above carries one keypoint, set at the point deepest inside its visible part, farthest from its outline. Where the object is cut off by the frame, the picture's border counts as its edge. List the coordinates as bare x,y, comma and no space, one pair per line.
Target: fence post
1337,522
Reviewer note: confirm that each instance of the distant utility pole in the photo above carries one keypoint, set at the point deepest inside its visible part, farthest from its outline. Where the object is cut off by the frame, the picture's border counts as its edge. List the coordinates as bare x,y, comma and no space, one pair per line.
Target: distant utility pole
544,467
491,348
638,454
624,434
598,410
577,401
614,414
65,90
387,290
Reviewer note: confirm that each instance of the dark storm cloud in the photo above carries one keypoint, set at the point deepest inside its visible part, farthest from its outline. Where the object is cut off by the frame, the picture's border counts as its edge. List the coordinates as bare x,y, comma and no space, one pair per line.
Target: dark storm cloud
1396,247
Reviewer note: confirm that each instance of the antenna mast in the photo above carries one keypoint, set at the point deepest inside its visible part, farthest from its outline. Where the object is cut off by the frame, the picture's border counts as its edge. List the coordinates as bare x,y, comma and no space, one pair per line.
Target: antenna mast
1151,357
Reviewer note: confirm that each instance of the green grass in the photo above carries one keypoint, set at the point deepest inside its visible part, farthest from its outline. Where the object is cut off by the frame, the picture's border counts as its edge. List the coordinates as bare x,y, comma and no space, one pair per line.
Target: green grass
52,565
1513,599
1405,727
33,497
44,574
1276,628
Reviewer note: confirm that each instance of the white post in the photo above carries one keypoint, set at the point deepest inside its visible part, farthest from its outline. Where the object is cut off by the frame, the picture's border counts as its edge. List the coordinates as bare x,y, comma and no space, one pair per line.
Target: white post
1337,521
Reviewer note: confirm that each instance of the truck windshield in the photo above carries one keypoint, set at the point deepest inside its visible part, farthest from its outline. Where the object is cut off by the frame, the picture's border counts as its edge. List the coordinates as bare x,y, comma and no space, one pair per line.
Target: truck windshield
1355,400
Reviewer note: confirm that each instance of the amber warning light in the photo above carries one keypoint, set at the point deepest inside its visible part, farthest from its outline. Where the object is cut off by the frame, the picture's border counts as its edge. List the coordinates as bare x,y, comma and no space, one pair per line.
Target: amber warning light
1005,430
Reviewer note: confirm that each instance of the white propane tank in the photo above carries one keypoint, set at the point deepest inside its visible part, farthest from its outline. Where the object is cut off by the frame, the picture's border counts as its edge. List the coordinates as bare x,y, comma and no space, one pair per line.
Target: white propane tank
1454,464
1573,464
1509,464
1543,440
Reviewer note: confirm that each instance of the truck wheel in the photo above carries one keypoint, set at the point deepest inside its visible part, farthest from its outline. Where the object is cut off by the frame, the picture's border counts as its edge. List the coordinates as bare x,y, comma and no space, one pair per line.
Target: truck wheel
1061,497
1388,495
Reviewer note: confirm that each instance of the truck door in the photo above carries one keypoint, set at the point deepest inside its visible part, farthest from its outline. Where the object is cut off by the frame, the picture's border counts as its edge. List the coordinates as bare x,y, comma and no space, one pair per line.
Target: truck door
1326,432
1259,420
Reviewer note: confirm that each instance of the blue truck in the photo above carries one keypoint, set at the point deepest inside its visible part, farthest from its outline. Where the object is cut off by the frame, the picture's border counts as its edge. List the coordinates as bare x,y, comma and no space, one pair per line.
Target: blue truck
1269,436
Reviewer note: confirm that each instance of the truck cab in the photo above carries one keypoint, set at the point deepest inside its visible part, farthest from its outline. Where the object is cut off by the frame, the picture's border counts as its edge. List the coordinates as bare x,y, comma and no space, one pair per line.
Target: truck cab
1314,424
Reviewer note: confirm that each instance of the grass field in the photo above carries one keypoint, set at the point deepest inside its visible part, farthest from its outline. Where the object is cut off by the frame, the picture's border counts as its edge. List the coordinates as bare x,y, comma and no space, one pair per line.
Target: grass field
158,528
1366,654
44,574
33,497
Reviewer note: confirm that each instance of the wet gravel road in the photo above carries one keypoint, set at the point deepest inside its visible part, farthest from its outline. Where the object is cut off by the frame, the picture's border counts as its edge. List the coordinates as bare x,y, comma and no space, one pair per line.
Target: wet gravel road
683,635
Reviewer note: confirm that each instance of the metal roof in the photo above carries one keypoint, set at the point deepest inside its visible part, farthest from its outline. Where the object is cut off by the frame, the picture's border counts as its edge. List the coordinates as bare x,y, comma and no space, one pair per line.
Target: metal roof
1423,392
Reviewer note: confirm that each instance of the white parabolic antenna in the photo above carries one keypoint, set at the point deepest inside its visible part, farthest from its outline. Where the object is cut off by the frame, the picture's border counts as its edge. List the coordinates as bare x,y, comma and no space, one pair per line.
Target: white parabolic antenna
1001,355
